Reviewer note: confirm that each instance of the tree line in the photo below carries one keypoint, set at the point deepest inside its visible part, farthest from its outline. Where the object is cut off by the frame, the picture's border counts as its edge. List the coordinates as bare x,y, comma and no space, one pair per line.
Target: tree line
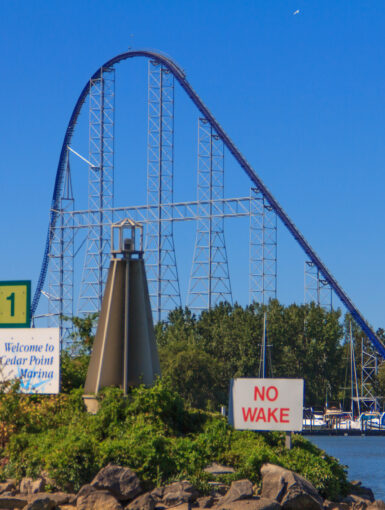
200,354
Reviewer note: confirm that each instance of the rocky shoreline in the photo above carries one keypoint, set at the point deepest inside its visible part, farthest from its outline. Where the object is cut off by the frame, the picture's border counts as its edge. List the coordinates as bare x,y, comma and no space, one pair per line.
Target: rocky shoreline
117,488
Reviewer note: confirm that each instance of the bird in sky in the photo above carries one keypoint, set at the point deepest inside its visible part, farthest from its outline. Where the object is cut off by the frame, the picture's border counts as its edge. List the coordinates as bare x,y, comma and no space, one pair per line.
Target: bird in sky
296,12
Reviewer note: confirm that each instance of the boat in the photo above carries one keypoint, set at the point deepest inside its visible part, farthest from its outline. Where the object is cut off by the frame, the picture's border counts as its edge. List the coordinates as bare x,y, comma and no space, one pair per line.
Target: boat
371,420
313,419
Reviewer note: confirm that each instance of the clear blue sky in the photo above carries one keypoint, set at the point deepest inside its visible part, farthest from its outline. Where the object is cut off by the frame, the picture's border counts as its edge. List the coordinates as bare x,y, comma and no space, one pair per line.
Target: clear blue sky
302,95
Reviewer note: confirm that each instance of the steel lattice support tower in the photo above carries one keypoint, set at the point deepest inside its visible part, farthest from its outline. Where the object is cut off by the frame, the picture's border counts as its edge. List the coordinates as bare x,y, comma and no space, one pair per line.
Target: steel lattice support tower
100,190
209,279
262,249
317,289
369,370
160,258
61,261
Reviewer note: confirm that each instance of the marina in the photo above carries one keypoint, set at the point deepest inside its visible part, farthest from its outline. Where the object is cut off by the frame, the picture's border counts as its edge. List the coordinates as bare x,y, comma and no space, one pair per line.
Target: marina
339,422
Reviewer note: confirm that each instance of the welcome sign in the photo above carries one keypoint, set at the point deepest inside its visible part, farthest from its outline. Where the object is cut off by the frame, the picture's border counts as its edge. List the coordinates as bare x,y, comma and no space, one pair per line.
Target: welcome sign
33,356
266,404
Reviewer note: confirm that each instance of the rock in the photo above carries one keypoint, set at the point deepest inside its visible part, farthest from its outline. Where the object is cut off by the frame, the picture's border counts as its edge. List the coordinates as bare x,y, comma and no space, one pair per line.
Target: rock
378,504
41,504
290,489
157,493
356,502
8,486
363,492
333,505
122,482
30,486
143,502
181,506
217,469
240,489
90,498
250,504
58,498
178,493
67,507
11,502
206,501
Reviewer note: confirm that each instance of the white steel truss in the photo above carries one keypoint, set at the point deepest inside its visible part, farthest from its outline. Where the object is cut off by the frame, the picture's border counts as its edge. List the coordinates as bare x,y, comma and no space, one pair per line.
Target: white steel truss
162,273
317,289
72,225
61,260
100,190
262,249
209,278
369,370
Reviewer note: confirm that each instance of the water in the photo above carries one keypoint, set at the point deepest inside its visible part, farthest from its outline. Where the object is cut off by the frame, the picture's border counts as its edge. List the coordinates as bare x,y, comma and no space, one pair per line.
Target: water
364,456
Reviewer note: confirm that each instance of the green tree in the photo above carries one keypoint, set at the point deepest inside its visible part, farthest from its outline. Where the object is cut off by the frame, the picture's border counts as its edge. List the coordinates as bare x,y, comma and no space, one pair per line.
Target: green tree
76,358
305,342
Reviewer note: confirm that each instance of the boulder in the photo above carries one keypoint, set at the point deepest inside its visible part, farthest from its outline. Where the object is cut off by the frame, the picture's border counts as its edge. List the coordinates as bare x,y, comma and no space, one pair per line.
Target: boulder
58,498
290,489
11,502
41,503
250,504
356,502
143,502
31,486
8,486
363,492
181,506
178,493
120,481
378,504
240,489
90,498
205,502
157,493
333,505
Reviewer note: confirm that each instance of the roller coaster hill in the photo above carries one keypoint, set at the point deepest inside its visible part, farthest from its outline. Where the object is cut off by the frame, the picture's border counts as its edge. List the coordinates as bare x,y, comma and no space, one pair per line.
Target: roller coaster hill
77,249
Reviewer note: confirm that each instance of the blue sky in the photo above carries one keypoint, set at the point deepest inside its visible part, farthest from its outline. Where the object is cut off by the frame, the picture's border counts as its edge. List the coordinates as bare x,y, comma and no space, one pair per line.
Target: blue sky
301,95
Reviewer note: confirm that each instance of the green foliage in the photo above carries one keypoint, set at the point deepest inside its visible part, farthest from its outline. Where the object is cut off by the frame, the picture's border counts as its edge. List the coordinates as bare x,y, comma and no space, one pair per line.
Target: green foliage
74,361
199,356
157,431
153,432
82,337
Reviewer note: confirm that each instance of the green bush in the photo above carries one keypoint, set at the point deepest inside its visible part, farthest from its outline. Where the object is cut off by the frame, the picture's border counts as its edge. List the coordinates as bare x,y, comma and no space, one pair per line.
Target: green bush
151,431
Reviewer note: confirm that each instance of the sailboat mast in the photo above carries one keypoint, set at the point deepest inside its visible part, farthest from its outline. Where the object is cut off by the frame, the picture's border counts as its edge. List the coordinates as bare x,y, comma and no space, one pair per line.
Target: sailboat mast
351,371
354,382
264,347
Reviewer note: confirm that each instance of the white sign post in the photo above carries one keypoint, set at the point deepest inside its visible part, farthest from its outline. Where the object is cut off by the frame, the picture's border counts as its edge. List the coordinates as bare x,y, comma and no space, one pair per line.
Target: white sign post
33,356
266,404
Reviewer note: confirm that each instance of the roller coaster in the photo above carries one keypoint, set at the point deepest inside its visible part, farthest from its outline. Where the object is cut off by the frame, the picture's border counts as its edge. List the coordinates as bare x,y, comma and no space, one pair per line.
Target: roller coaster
210,280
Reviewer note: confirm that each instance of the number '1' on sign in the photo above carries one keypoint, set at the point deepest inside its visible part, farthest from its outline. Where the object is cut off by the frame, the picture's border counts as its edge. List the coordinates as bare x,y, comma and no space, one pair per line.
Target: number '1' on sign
15,304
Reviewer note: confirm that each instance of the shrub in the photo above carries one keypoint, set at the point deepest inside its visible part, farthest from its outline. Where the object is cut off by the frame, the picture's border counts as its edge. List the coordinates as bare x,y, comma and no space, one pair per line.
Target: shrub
151,431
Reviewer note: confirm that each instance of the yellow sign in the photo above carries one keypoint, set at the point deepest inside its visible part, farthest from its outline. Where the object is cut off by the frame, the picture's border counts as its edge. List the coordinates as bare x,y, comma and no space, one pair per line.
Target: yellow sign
15,304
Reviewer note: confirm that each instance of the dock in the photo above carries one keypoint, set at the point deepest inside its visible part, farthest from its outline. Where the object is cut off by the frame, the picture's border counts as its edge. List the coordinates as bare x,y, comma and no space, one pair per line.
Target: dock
343,432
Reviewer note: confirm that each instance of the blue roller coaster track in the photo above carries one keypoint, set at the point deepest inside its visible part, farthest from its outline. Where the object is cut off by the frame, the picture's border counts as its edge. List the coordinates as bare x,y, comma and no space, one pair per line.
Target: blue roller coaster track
181,78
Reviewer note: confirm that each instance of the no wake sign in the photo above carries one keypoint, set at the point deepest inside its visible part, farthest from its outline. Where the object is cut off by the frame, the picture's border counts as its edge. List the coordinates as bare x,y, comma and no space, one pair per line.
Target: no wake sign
266,404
